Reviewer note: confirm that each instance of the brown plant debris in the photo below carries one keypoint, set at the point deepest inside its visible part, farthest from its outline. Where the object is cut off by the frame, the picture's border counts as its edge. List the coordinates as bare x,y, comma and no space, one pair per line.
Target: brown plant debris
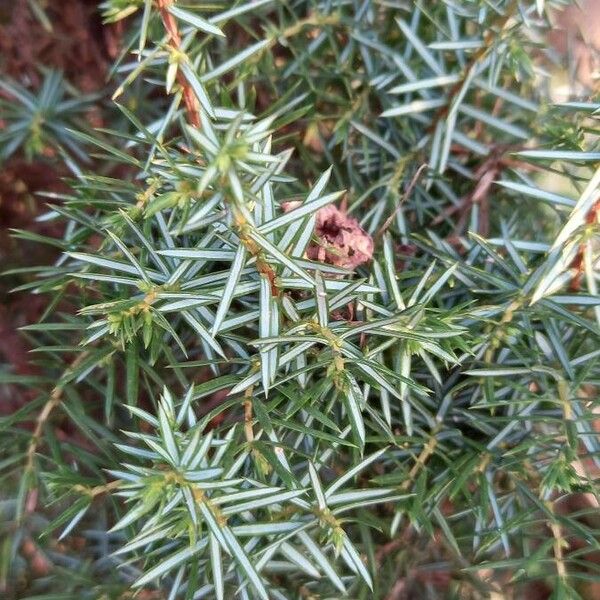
340,240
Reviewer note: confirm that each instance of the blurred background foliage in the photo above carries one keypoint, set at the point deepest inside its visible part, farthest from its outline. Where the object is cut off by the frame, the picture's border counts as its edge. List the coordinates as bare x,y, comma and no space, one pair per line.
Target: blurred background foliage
415,417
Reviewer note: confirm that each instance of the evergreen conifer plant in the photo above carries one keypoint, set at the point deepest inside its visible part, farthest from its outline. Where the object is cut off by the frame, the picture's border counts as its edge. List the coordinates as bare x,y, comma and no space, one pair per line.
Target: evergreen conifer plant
325,318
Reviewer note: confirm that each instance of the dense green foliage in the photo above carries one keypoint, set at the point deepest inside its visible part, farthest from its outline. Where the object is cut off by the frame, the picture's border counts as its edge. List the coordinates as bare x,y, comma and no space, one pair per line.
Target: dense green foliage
254,412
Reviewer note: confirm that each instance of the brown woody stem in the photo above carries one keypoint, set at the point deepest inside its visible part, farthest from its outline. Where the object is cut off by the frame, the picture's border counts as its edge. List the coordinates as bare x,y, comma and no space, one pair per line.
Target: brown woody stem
170,25
248,430
51,404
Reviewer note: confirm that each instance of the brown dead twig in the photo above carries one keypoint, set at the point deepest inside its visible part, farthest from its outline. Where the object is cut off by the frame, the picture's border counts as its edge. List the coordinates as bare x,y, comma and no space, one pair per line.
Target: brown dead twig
485,176
405,196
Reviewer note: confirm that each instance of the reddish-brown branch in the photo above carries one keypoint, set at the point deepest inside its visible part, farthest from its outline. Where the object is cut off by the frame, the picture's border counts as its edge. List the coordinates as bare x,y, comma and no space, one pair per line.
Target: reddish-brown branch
170,25
404,198
192,107
487,173
578,264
